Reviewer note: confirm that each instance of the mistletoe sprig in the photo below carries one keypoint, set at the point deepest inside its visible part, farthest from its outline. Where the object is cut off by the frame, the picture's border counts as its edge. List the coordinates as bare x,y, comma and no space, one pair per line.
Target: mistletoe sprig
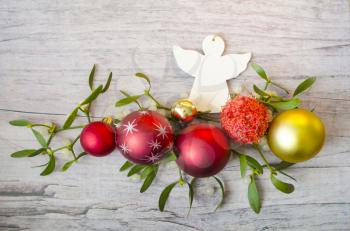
276,103
53,129
128,99
148,173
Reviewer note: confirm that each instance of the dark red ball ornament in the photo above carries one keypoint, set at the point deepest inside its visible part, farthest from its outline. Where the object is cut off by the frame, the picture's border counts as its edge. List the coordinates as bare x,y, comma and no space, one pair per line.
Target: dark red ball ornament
202,149
97,139
144,137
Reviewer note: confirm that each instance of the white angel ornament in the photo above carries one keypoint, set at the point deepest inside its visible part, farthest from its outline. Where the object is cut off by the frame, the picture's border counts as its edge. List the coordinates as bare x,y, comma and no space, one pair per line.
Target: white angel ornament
211,71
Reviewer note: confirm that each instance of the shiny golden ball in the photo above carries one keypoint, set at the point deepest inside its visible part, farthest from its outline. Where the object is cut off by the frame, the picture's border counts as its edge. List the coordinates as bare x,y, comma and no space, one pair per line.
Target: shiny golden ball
296,135
184,110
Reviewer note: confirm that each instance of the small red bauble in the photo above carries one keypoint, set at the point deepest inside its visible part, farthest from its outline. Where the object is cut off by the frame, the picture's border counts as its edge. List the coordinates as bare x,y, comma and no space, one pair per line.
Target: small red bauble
144,137
97,139
202,149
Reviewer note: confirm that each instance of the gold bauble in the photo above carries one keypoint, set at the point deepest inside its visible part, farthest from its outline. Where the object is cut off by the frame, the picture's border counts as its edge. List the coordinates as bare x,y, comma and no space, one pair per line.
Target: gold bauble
296,135
184,110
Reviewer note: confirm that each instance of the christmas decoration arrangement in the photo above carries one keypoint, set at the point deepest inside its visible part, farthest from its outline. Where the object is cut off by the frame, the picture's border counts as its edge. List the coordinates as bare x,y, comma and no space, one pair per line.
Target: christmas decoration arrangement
199,141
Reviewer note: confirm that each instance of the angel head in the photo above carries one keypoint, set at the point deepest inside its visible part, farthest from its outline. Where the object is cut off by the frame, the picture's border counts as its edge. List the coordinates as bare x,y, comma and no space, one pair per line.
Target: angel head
213,45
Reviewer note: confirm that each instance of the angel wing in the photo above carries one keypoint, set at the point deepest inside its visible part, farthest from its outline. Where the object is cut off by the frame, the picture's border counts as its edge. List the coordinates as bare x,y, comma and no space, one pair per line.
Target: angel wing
235,63
188,60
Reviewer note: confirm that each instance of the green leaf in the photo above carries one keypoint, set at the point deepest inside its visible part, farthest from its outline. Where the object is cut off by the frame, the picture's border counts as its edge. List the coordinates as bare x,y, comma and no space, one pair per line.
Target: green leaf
286,105
108,83
37,152
50,166
127,100
222,192
147,170
253,163
135,169
170,157
92,96
20,123
91,77
282,186
39,138
243,165
258,69
67,165
164,195
143,76
125,166
23,153
149,179
282,165
190,194
70,119
259,91
253,195
304,85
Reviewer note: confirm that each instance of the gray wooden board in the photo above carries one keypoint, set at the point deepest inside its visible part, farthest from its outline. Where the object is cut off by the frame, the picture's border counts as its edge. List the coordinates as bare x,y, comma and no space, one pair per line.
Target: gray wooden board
47,49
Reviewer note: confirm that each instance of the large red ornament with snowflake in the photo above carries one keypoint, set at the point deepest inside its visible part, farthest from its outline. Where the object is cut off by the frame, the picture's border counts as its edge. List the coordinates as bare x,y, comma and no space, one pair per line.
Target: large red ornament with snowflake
144,137
202,149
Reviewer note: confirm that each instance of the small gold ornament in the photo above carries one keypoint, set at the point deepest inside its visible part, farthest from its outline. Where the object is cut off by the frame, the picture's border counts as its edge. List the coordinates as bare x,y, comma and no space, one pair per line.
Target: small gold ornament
296,135
108,120
184,110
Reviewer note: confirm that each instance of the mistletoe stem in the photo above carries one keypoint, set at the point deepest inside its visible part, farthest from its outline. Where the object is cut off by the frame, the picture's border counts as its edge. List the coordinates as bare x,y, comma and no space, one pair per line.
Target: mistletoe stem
41,125
138,104
88,112
75,140
61,148
266,85
70,128
73,152
258,148
88,117
279,86
162,107
181,180
158,104
50,139
207,118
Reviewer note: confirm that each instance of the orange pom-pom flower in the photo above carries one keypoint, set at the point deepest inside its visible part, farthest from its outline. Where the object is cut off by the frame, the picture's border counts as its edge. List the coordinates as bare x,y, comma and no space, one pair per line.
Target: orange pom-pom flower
244,119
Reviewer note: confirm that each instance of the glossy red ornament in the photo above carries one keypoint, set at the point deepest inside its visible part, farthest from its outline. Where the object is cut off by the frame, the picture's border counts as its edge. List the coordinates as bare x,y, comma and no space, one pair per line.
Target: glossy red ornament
202,149
97,139
144,137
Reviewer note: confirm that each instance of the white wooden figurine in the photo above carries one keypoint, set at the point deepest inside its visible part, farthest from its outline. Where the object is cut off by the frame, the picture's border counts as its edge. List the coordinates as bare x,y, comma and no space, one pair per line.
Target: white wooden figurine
211,71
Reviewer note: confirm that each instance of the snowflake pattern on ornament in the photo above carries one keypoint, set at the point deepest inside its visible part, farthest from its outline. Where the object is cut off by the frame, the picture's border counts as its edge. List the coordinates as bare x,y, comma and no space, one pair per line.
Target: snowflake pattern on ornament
124,148
153,158
130,127
162,131
154,144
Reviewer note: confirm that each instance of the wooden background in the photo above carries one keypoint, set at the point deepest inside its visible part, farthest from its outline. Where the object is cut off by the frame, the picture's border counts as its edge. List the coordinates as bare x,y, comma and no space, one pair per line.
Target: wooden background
47,49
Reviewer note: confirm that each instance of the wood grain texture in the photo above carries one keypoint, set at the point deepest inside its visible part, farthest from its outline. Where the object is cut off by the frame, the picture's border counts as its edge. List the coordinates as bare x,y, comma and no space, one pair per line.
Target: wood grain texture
47,49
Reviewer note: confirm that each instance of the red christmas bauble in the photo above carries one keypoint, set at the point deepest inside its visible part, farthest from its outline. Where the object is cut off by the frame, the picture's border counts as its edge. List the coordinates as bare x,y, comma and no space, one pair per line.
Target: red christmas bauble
97,139
202,149
144,137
